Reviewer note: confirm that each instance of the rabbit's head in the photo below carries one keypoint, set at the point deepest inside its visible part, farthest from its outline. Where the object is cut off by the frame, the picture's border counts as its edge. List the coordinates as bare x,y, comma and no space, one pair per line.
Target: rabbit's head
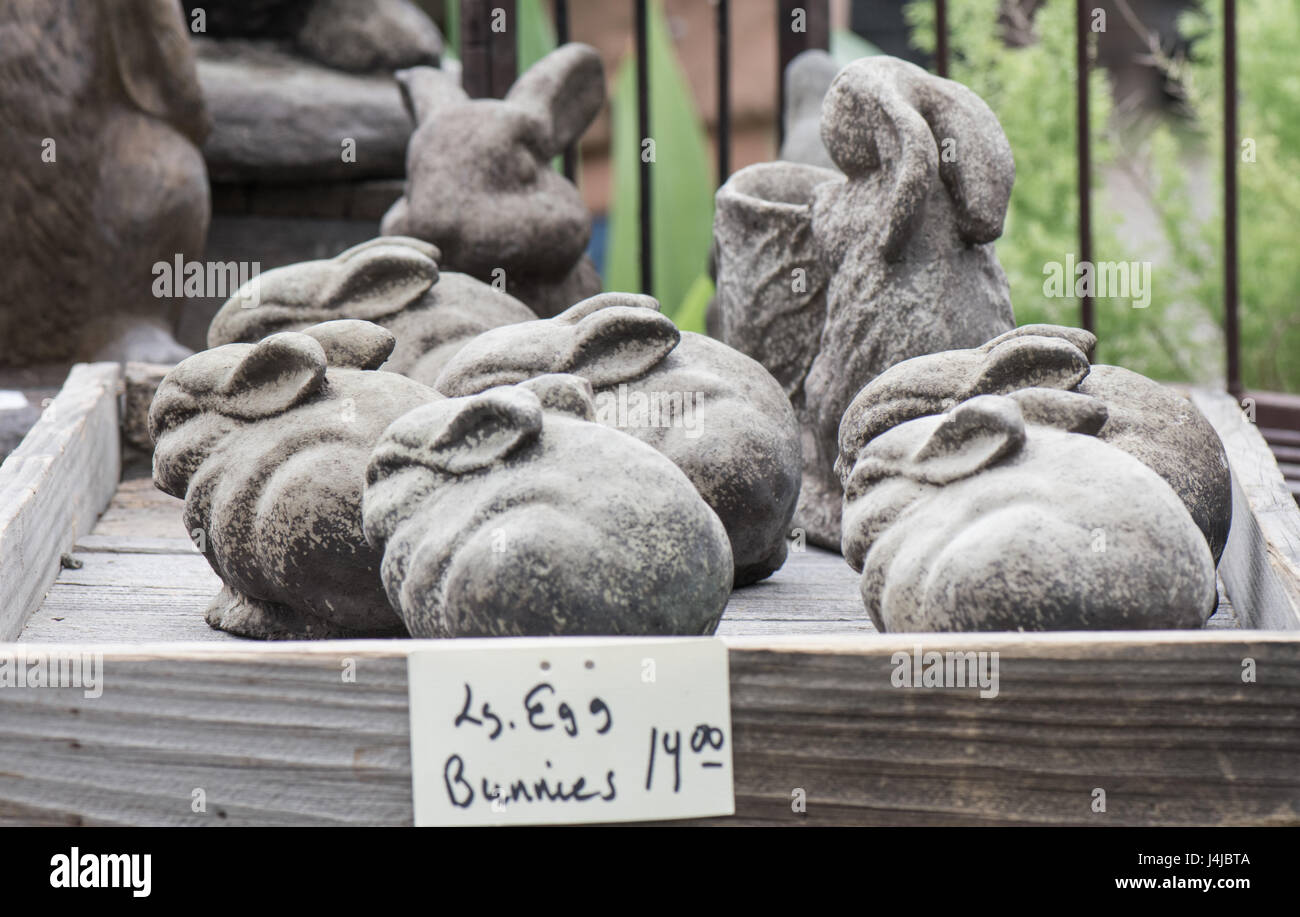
886,118
480,183
607,339
370,282
1029,357
218,391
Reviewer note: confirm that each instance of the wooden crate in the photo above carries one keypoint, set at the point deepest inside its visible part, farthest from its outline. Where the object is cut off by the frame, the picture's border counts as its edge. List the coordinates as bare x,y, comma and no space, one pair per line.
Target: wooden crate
1162,721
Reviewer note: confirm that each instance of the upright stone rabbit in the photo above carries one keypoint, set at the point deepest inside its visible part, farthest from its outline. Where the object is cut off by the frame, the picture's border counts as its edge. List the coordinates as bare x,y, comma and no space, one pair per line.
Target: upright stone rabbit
1154,424
510,513
393,281
100,177
895,257
716,413
979,519
267,444
480,185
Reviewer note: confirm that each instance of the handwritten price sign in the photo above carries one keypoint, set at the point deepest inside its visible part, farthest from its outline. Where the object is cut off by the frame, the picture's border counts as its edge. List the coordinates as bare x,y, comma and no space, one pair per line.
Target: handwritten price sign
570,730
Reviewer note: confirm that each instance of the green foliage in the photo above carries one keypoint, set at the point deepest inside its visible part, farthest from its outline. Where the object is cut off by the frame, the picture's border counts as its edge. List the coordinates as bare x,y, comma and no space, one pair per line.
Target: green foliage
681,185
1032,91
1268,80
536,34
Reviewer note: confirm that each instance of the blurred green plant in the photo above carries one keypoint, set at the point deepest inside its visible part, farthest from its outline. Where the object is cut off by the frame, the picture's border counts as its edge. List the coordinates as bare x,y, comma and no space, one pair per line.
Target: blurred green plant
681,187
1268,179
1032,91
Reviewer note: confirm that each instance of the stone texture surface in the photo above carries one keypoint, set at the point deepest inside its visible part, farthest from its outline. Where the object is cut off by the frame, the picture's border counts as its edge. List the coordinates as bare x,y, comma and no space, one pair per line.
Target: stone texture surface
140,383
807,79
358,35
280,117
904,243
480,185
716,413
101,177
375,35
980,519
267,444
1149,421
509,513
393,281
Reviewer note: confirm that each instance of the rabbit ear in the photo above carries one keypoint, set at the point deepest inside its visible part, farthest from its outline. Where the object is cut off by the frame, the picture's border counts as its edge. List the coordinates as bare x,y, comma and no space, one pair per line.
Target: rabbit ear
378,277
618,344
578,311
564,394
354,344
273,376
1073,412
155,62
566,89
969,438
1030,362
478,431
1084,340
980,170
426,91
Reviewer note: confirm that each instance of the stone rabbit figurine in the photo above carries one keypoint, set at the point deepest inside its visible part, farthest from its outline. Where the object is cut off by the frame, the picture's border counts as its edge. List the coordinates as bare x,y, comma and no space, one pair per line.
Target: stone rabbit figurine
480,185
393,281
895,256
267,444
982,519
1149,421
716,413
101,178
510,513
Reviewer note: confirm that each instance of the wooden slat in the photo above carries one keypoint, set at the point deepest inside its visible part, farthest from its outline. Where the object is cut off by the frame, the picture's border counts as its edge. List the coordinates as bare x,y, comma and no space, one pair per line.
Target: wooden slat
1163,723
53,487
1261,563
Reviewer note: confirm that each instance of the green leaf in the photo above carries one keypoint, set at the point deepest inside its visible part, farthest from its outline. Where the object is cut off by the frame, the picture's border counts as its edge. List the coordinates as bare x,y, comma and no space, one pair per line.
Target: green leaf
534,31
690,317
681,179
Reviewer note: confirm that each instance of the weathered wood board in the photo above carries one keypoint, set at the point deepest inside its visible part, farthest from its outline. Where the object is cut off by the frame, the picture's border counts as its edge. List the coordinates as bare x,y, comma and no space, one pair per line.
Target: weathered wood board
54,486
1162,723
1261,563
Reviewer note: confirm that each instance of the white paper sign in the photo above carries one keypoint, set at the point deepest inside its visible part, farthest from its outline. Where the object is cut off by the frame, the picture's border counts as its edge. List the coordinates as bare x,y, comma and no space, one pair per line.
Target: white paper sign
569,730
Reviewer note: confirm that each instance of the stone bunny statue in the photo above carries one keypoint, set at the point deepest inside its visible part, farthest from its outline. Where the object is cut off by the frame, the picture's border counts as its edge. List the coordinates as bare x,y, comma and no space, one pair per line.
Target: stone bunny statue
480,185
716,413
267,444
510,513
807,77
101,177
983,518
896,254
393,281
1155,425
343,34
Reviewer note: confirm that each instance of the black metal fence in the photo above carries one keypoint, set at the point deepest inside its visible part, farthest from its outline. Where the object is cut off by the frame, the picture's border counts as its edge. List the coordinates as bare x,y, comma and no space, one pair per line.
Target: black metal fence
489,63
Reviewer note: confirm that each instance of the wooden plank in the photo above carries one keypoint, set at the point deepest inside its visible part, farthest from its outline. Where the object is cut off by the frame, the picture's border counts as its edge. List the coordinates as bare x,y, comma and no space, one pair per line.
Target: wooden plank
1261,563
1163,723
53,487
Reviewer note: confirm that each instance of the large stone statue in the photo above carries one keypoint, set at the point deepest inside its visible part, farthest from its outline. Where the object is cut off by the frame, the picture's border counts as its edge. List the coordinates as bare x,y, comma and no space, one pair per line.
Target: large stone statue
716,413
510,513
267,444
100,177
1007,513
1155,425
890,260
393,281
480,184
